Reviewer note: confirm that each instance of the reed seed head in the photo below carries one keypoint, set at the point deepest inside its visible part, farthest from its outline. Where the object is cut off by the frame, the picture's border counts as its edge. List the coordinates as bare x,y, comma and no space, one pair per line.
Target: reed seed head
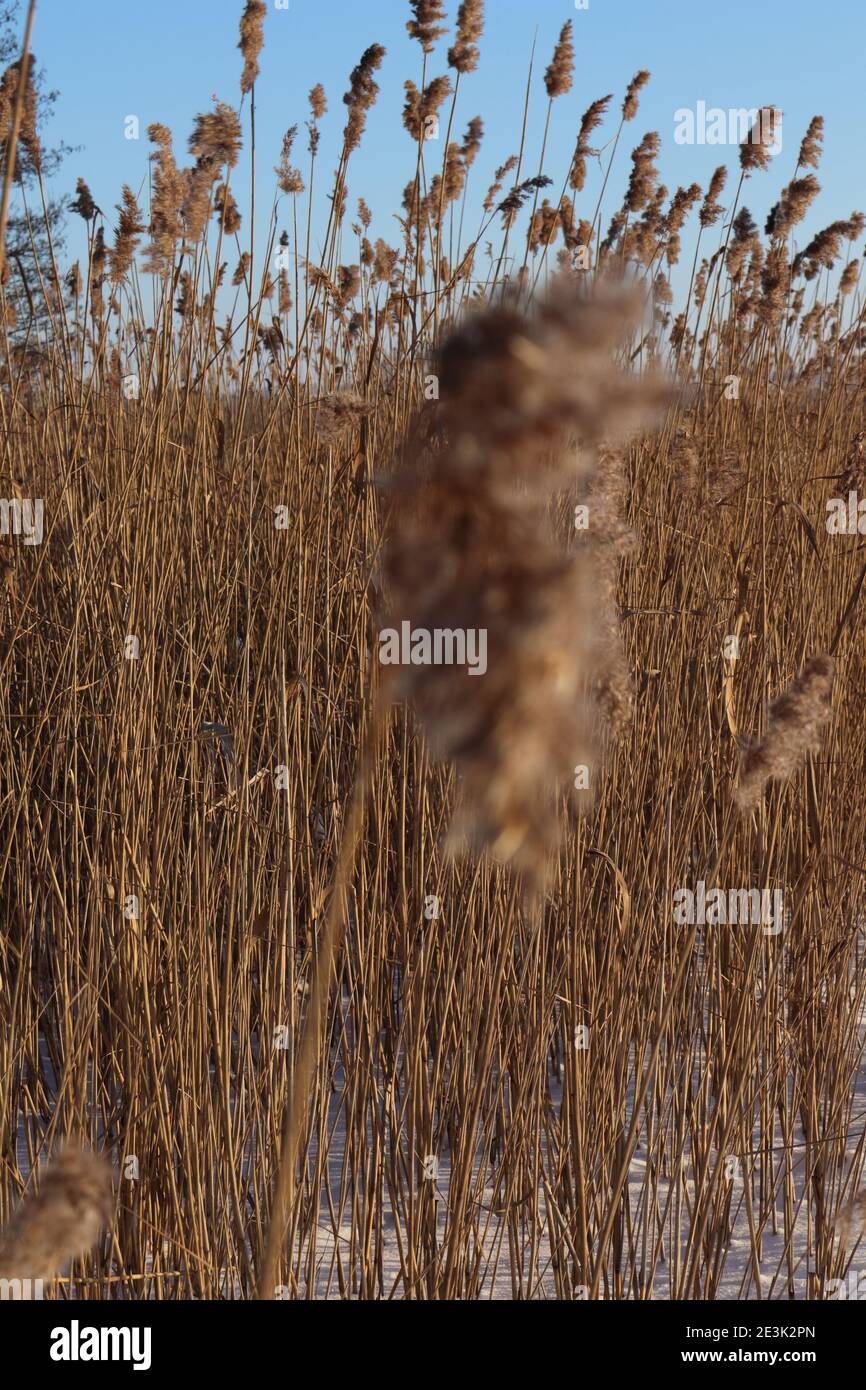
630,103
129,228
361,95
794,725
559,75
810,149
425,25
472,548
252,40
756,150
62,1221
464,55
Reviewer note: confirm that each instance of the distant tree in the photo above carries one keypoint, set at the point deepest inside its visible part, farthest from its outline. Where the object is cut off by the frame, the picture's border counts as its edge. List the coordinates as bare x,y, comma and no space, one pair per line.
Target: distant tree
29,272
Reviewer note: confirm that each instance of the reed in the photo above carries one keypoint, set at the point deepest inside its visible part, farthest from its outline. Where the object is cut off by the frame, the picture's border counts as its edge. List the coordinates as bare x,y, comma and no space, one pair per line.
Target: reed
372,988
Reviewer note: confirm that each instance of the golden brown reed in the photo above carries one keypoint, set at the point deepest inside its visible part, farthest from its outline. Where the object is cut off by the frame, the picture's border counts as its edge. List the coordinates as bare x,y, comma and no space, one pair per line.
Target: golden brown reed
455,1035
609,539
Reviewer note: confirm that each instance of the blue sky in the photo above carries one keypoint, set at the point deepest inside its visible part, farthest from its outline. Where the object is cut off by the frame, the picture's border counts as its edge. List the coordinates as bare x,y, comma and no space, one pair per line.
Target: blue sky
166,60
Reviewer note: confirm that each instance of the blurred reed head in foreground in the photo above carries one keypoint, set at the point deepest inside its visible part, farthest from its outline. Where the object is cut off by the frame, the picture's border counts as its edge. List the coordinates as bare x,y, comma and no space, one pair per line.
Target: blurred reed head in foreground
525,401
62,1221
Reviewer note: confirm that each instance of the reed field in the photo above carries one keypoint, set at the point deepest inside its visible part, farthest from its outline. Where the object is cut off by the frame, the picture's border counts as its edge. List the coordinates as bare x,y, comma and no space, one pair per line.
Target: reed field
389,980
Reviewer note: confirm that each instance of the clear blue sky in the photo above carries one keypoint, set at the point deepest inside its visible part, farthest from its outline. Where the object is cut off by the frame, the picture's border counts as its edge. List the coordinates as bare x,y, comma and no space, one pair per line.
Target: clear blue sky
166,60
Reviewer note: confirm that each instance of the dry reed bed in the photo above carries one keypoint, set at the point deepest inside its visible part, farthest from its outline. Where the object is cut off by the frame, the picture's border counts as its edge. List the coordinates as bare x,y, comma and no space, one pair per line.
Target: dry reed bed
210,776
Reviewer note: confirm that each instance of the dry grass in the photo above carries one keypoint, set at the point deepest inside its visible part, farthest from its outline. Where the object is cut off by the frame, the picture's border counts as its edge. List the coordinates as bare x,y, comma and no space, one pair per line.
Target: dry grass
187,687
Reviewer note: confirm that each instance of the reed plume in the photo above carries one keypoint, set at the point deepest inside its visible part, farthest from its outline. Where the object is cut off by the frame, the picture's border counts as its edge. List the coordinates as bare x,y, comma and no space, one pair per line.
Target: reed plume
425,26
793,205
28,134
361,95
62,1221
590,121
83,203
558,77
471,548
810,149
166,202
756,150
472,141
630,102
711,208
129,229
227,209
339,413
644,178
251,41
794,724
463,54
289,179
